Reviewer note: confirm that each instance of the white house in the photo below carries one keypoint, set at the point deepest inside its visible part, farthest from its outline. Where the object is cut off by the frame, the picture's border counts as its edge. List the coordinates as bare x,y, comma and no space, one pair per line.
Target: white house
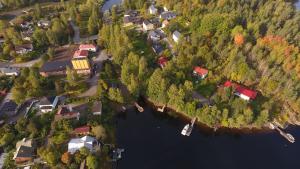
152,10
9,71
166,9
167,15
48,104
176,36
88,47
97,108
23,49
43,23
147,25
76,143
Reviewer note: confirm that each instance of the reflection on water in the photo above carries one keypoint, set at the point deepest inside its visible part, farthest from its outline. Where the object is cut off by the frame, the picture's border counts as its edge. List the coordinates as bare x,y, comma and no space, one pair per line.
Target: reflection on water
152,141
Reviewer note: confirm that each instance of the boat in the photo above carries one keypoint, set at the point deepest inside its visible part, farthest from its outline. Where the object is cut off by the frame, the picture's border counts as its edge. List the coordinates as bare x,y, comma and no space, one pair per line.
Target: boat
290,138
185,130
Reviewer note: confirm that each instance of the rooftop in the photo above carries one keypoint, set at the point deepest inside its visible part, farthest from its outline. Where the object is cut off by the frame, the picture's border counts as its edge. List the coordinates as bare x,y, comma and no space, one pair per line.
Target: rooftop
54,66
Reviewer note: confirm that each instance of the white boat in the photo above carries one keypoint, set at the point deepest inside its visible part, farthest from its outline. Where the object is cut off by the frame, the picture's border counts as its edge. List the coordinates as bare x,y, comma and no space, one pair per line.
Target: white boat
290,138
185,130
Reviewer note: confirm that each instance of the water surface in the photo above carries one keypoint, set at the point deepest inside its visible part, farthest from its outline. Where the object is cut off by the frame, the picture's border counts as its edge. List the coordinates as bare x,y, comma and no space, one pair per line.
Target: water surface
153,141
109,3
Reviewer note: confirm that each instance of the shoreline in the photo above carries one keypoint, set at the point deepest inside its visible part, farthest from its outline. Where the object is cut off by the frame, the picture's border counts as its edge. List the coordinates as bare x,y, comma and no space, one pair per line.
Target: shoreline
206,128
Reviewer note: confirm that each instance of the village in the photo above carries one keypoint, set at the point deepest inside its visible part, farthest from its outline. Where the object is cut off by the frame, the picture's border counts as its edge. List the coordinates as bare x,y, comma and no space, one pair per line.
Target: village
78,121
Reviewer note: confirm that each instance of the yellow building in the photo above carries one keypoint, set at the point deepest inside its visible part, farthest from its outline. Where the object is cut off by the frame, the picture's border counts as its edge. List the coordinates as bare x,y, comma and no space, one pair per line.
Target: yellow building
81,65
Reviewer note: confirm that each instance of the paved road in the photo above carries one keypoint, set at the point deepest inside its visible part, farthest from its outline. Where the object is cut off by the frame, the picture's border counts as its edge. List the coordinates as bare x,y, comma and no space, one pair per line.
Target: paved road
76,38
93,82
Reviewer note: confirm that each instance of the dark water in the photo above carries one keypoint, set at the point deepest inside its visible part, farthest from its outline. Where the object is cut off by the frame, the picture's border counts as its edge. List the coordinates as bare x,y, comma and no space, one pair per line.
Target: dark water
298,5
153,141
109,3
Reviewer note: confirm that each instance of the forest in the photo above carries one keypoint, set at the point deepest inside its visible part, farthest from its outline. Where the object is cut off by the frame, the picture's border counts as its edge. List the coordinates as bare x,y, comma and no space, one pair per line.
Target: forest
253,43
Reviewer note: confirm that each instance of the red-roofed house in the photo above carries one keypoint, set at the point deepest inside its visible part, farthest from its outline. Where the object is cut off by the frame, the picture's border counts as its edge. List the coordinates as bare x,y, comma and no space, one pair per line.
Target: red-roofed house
162,61
241,91
84,130
200,72
88,47
81,54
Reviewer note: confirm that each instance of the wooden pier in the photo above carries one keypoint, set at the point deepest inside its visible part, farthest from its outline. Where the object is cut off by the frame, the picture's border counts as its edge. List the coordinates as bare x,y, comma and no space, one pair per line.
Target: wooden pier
140,109
161,109
288,136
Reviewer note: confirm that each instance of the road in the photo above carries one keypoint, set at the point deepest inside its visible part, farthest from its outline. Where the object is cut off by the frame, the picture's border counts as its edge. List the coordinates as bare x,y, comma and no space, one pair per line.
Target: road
18,12
76,38
93,82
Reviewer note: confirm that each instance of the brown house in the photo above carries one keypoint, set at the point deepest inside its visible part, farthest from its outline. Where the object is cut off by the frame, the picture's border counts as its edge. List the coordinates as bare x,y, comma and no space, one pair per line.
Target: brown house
24,152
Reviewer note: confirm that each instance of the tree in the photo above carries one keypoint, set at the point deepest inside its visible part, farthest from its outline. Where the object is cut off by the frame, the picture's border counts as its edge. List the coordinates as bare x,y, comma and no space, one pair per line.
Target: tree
6,139
92,162
115,94
66,158
93,22
99,132
38,11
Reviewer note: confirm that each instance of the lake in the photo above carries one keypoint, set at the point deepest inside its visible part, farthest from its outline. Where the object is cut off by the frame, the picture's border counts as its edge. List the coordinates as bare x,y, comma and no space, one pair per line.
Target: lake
298,4
153,141
109,3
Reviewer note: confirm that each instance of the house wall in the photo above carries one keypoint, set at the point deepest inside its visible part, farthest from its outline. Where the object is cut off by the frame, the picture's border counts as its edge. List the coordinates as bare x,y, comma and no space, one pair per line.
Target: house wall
19,160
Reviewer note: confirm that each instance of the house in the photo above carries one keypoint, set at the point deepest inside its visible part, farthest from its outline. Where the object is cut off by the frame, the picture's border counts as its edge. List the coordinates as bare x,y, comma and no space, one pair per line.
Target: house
165,23
154,36
24,151
97,108
84,130
9,71
241,91
54,68
66,113
81,62
147,25
176,36
76,143
44,23
132,13
9,108
48,104
166,9
152,10
128,21
167,15
23,49
88,47
26,25
200,72
26,35
157,48
81,54
162,61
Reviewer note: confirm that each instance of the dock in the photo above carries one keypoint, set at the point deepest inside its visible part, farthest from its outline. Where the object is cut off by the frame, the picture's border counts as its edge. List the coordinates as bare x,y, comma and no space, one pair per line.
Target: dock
187,130
140,109
161,109
288,136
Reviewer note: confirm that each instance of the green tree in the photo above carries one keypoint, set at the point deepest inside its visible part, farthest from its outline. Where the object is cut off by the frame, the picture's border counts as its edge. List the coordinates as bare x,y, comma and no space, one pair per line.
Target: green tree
92,162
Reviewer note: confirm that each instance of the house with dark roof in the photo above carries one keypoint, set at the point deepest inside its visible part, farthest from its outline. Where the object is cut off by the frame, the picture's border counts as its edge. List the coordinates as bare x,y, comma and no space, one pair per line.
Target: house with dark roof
241,91
147,25
25,151
48,104
157,48
24,48
200,72
54,68
167,15
9,108
154,36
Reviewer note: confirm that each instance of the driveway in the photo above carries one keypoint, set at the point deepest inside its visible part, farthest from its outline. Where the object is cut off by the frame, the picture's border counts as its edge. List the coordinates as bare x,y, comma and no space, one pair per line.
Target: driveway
77,39
201,98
